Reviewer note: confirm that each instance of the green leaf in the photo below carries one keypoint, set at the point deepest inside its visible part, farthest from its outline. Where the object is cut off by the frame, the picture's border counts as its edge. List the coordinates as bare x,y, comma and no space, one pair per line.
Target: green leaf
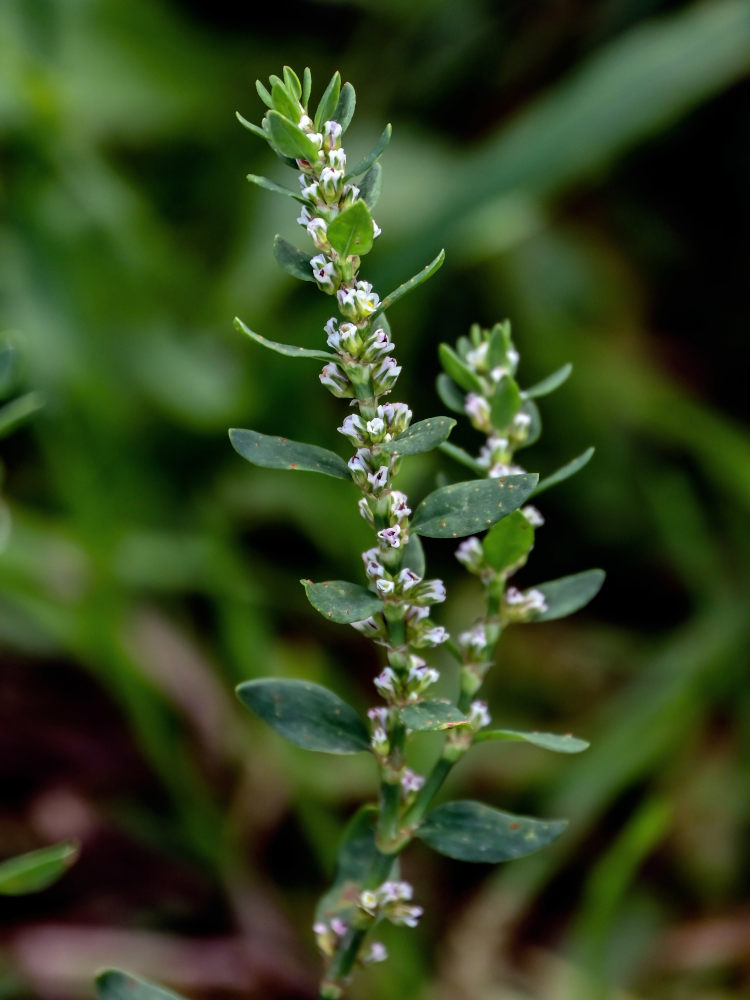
432,716
292,83
306,714
255,129
413,557
345,108
565,472
35,870
549,384
113,984
263,94
535,427
357,855
450,394
569,594
508,542
288,350
8,367
351,232
370,185
464,508
472,831
500,343
342,602
505,403
557,742
295,262
280,453
264,182
459,455
306,86
374,155
283,103
421,437
427,272
461,374
18,410
288,139
328,102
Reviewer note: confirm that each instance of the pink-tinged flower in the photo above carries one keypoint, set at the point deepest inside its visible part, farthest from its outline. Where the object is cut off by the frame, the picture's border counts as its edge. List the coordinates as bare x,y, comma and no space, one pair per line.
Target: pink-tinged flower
471,554
339,927
380,715
377,953
379,480
399,508
391,536
373,567
478,410
304,218
330,183
411,781
385,374
336,381
433,636
377,346
387,683
318,231
352,427
407,579
429,592
332,133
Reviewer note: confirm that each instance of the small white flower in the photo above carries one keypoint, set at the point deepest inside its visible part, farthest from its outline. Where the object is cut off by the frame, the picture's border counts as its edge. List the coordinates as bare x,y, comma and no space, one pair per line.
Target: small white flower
430,592
337,160
376,230
434,636
500,469
368,626
364,510
339,927
376,428
358,462
513,357
471,554
478,410
305,123
385,587
533,516
474,641
477,358
318,229
522,420
311,192
478,715
323,271
304,216
352,428
373,567
379,714
399,508
368,901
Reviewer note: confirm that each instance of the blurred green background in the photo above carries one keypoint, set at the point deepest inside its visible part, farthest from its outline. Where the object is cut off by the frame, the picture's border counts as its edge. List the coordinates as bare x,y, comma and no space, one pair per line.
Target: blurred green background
585,166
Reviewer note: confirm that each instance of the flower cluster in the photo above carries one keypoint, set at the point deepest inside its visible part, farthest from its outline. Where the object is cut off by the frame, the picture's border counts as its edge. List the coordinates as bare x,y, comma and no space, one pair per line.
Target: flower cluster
391,900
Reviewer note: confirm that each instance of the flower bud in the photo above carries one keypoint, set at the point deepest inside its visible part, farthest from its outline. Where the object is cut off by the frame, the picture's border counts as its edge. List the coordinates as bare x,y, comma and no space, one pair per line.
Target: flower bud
478,410
429,592
318,229
522,606
379,480
337,160
471,554
385,375
377,345
353,430
336,381
332,134
478,715
330,183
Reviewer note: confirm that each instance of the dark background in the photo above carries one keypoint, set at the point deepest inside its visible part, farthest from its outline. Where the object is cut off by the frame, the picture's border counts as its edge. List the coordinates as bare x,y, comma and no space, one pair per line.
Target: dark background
585,166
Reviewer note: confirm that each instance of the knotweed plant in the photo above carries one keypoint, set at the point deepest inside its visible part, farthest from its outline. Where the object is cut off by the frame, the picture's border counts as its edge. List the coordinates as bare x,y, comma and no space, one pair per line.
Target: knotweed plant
394,603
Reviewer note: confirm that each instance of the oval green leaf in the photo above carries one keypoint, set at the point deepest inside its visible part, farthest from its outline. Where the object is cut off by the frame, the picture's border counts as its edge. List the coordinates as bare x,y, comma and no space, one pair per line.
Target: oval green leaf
461,374
505,403
306,714
509,541
370,186
575,465
328,102
374,155
35,870
413,557
288,350
342,602
280,453
295,262
549,384
344,111
114,984
472,831
351,232
465,508
569,594
427,272
432,716
289,140
557,742
284,103
268,185
450,394
421,437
